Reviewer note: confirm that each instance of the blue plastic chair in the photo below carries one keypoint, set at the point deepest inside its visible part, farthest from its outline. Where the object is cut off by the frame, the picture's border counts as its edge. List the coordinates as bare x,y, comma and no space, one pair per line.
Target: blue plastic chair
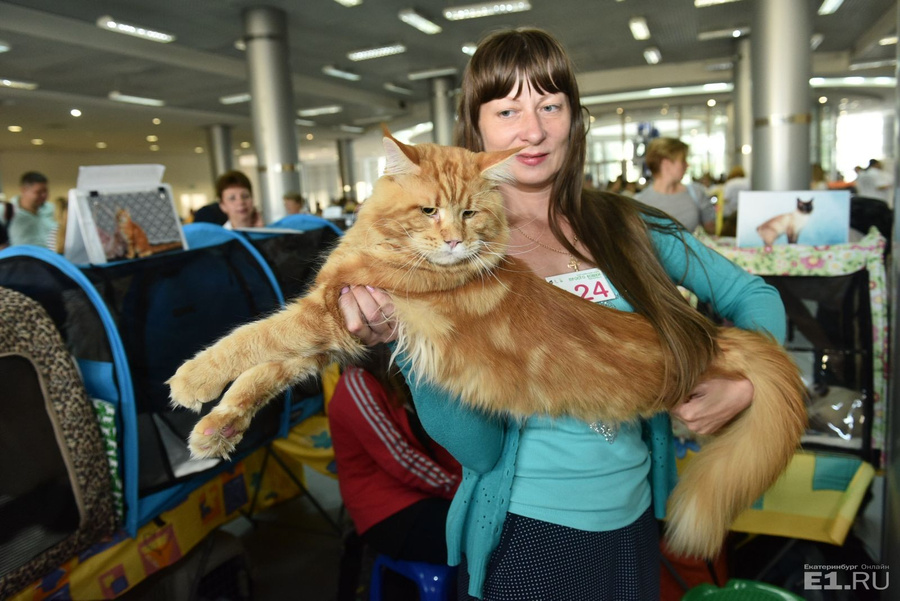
434,581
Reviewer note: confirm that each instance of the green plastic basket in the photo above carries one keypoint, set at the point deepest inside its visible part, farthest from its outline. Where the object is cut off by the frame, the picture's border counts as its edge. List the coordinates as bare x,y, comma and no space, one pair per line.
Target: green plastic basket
740,590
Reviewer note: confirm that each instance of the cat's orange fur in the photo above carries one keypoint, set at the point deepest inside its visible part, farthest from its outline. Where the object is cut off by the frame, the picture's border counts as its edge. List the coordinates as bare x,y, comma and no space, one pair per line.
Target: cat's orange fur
480,324
137,244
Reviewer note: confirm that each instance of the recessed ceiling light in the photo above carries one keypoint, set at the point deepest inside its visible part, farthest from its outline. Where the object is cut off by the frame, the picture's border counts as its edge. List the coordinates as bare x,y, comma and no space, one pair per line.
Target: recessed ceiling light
4,46
349,2
305,122
320,110
152,138
240,44
639,29
652,55
75,113
711,102
887,40
352,129
101,144
702,3
309,136
830,6
862,65
816,40
15,128
19,85
397,89
245,144
429,73
198,149
335,72
378,52
119,97
235,98
37,142
486,9
469,48
823,99
156,121
727,32
423,24
154,147
107,22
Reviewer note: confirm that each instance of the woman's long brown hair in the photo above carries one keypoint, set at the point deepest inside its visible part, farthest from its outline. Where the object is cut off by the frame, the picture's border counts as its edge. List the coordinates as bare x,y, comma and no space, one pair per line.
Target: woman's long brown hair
610,226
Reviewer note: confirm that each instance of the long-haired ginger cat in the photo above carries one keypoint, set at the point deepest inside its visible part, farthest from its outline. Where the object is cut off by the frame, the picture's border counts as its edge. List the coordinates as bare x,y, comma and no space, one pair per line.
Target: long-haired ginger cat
434,235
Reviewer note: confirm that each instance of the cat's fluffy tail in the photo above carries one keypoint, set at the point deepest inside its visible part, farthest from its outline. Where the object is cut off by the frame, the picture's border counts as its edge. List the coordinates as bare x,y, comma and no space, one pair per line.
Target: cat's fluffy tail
740,463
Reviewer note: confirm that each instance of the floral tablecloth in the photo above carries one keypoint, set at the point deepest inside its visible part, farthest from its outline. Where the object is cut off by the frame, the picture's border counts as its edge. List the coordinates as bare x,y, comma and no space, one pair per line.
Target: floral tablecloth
832,260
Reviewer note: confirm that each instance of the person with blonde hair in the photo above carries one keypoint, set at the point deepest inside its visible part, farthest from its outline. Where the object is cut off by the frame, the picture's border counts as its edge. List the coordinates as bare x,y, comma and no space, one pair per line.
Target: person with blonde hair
689,204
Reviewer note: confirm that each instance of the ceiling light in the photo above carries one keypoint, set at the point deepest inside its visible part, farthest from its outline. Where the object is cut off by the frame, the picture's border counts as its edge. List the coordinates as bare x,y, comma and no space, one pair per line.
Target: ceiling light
486,9
411,17
4,46
469,48
305,122
657,93
75,113
154,147
816,40
429,73
397,89
349,2
711,102
153,138
830,6
198,149
851,82
728,32
652,55
15,128
240,44
101,145
702,3
235,98
370,53
719,65
114,95
156,121
885,41
335,72
351,129
320,110
889,62
19,85
660,91
37,142
823,99
107,22
309,137
639,29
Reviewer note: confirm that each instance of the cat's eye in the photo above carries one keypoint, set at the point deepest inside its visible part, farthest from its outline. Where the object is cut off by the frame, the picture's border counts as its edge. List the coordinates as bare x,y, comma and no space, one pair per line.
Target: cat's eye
430,211
468,213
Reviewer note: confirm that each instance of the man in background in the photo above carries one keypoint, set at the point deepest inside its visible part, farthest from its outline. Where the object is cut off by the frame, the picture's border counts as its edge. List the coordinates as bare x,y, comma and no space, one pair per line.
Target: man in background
28,218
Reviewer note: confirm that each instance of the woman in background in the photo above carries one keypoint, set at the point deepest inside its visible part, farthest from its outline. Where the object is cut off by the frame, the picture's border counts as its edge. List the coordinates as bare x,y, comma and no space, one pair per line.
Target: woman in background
235,194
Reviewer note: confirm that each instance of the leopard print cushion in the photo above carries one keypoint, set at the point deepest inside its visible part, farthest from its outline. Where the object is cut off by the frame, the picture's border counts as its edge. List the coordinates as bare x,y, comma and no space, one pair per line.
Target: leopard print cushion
27,330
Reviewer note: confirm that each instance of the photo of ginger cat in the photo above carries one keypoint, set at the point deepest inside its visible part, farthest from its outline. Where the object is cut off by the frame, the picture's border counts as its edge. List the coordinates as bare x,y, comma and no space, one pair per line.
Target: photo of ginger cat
787,224
133,240
434,235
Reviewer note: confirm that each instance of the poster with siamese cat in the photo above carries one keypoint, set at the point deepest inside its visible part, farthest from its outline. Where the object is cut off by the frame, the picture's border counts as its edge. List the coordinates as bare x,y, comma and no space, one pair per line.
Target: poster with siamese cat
808,217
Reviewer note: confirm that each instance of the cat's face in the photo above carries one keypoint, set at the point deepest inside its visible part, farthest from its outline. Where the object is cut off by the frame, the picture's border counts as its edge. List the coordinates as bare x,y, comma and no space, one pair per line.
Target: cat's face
805,206
437,207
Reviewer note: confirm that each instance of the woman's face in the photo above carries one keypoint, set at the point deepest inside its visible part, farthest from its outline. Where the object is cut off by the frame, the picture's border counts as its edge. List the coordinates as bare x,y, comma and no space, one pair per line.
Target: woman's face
540,122
237,203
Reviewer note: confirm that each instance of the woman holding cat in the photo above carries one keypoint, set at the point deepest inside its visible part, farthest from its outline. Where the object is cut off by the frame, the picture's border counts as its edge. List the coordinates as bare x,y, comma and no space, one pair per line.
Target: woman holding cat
559,509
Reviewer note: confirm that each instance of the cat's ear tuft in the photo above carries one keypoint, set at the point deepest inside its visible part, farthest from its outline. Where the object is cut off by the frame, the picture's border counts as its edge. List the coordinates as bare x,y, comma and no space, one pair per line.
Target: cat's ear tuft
495,165
400,159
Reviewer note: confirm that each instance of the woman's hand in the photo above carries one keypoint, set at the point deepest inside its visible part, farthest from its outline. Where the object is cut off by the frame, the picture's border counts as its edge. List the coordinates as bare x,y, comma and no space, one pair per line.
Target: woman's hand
368,314
714,403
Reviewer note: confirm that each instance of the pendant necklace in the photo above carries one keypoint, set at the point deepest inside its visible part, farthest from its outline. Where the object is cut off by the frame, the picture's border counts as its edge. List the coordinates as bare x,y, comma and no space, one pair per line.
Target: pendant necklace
573,262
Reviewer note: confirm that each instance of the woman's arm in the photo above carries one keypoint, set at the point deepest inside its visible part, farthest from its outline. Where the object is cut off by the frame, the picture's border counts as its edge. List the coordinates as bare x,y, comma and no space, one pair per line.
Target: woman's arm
475,439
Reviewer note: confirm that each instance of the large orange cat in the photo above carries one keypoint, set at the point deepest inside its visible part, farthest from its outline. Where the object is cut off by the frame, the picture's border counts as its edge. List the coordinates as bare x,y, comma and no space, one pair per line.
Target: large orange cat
434,235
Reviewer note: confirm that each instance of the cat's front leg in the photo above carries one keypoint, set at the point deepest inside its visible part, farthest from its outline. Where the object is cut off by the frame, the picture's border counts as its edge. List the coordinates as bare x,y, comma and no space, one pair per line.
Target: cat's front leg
217,434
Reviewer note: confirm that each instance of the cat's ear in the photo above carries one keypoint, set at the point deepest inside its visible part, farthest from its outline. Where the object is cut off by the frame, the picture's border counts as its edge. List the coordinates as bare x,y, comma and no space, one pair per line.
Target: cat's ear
400,159
495,165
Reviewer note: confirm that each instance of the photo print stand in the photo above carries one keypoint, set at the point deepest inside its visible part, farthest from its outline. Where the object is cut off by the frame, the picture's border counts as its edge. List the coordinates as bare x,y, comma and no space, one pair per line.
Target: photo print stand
121,212
809,217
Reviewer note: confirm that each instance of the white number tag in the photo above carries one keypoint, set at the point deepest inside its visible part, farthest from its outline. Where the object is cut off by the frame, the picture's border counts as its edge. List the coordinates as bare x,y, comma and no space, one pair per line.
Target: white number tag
589,284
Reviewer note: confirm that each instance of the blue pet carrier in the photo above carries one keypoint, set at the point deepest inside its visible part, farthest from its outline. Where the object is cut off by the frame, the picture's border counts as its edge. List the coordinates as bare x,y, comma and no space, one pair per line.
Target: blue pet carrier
129,325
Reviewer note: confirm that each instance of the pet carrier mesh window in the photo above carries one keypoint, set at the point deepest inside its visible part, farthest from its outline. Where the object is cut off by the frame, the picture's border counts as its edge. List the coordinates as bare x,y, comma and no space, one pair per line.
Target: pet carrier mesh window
130,325
830,338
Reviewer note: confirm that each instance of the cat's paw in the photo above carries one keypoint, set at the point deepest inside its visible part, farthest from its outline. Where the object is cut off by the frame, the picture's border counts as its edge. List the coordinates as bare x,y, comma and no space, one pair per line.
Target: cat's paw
217,434
194,384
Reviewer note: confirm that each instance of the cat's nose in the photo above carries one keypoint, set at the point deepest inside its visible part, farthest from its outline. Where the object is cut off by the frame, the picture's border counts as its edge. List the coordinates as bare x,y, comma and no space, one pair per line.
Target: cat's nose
452,243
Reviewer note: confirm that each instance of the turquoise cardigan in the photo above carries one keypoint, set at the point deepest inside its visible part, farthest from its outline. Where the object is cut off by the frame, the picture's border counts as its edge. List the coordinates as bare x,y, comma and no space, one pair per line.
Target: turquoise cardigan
486,445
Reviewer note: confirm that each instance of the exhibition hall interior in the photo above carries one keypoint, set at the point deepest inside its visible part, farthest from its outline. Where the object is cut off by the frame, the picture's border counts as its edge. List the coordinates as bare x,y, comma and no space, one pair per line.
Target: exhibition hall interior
170,171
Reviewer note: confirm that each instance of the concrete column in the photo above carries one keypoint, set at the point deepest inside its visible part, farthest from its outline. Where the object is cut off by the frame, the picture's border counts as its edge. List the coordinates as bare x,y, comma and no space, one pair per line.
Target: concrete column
218,139
272,107
815,134
443,109
743,106
781,66
347,168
